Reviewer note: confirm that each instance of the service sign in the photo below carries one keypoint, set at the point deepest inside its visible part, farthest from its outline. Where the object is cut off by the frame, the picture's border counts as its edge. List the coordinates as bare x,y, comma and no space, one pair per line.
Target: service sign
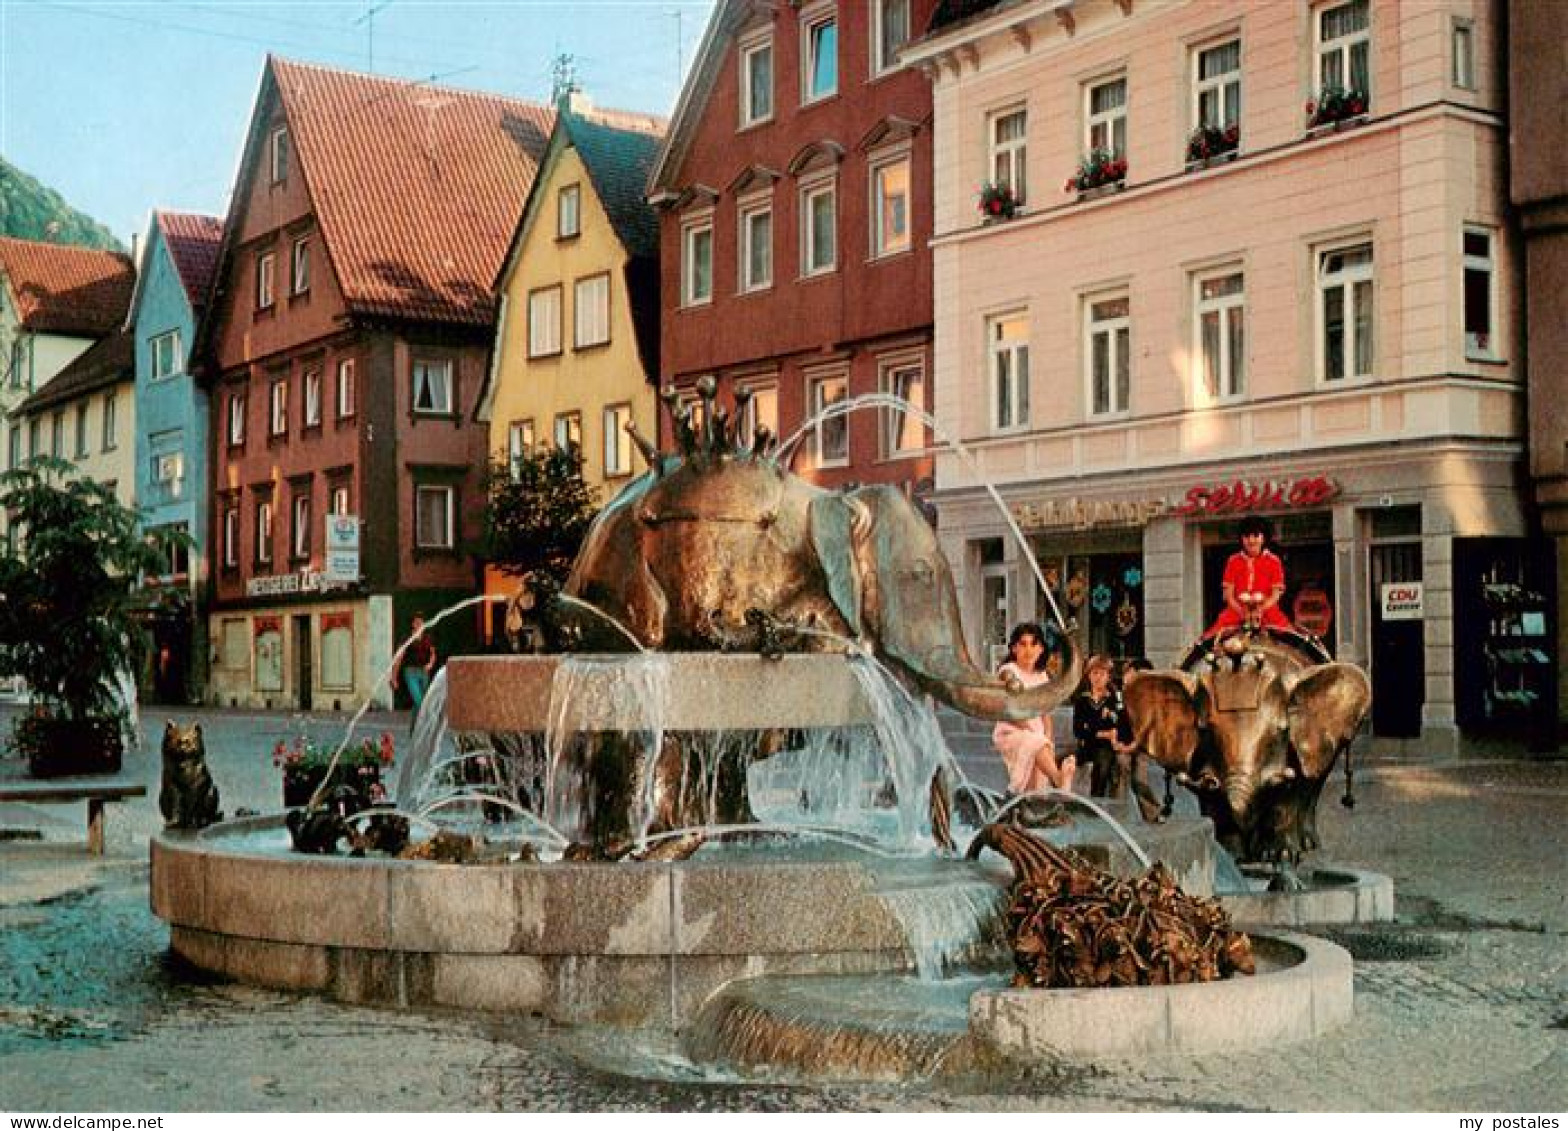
342,532
1402,600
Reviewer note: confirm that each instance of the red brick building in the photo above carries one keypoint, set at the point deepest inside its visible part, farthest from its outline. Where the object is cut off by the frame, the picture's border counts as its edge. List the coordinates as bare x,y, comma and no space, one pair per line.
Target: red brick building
345,350
794,192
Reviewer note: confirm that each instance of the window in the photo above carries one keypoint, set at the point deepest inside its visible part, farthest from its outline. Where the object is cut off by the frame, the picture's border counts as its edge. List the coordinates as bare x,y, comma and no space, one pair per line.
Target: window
891,18
761,410
756,245
1007,346
57,435
756,81
81,430
617,442
818,227
338,502
697,263
176,554
519,442
1217,91
231,537
569,431
1008,135
544,322
280,154
165,355
1105,117
111,403
1344,41
433,386
300,537
300,276
35,434
1464,55
830,437
819,56
1480,294
591,312
1221,348
264,532
434,508
568,212
1345,312
312,398
236,419
279,401
14,453
890,207
264,269
904,433
168,473
345,388
1109,332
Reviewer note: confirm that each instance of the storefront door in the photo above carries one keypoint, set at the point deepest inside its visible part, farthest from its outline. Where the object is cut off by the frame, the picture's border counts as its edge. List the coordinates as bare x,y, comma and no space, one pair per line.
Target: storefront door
303,669
1398,642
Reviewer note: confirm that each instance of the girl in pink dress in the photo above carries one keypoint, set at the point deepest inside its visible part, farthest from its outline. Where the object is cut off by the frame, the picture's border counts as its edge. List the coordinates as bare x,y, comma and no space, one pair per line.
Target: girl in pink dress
1028,748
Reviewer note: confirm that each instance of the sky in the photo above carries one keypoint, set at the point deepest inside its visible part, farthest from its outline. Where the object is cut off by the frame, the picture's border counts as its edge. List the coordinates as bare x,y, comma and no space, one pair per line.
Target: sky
122,106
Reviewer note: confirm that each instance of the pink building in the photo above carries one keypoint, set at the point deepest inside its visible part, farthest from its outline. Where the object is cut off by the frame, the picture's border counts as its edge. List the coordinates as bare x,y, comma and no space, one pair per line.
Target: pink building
1284,285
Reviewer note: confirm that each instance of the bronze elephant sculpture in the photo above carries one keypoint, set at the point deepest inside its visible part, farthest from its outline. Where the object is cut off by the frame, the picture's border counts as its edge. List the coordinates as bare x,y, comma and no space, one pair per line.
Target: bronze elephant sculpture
721,547
1253,726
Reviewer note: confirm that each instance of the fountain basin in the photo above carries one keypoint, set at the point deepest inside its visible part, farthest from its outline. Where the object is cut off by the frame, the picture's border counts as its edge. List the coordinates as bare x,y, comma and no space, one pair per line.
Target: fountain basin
1333,895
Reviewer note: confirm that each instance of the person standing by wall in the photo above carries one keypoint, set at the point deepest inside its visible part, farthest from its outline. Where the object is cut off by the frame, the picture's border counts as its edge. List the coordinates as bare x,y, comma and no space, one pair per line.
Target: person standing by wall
417,665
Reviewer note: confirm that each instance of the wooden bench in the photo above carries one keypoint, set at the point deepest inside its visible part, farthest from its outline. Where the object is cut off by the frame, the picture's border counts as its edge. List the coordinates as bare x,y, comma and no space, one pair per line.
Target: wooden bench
94,790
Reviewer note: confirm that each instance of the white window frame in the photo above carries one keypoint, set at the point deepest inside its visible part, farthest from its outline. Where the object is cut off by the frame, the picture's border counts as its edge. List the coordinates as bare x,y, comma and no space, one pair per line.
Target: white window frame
1226,87
893,423
880,200
440,391
1345,280
811,19
751,48
81,430
519,442
346,390
14,452
591,311
231,537
880,63
266,266
1014,351
237,408
758,208
810,192
690,231
165,348
168,472
264,532
446,539
339,501
1117,330
57,446
278,154
544,321
299,540
312,407
753,410
111,424
1105,129
1342,46
568,219
1007,159
617,442
278,407
299,268
1480,347
1230,378
1461,40
816,400
567,431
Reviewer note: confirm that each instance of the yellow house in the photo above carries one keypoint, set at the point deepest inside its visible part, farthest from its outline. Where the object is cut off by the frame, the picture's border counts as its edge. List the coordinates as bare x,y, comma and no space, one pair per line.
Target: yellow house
576,355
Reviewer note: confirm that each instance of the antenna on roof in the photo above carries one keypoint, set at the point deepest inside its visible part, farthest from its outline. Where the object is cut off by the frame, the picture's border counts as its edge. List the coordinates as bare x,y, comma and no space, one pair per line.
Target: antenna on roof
369,20
563,77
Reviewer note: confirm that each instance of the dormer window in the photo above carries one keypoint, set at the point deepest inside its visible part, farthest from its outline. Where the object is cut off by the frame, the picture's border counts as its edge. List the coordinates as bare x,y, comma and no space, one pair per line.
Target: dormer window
279,150
568,212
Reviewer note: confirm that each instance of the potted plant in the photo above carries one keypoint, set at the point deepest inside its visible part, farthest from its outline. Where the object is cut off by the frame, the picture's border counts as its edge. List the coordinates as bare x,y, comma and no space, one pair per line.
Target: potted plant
1335,104
68,578
1099,168
1209,143
997,201
355,776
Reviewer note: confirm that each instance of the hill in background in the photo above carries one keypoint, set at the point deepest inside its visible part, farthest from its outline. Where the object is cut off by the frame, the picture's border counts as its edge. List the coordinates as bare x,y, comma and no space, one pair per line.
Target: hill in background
33,211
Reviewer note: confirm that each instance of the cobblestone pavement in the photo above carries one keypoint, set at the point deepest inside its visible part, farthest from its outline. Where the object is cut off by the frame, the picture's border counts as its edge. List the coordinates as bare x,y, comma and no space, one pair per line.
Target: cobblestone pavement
1460,1005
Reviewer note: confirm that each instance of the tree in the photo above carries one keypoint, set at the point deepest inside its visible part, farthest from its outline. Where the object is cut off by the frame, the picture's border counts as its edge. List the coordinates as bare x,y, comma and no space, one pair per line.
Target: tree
538,512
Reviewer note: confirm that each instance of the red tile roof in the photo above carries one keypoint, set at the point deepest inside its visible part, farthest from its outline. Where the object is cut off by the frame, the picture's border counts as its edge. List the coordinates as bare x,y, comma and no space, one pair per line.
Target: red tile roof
61,289
417,188
193,241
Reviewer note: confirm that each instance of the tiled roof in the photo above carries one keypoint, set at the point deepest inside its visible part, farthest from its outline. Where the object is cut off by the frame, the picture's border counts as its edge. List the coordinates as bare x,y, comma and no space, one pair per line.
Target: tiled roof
618,161
417,188
107,362
61,289
193,241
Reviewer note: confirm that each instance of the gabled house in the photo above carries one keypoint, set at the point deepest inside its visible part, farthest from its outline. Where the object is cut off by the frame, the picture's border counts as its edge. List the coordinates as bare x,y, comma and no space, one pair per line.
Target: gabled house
577,348
344,351
171,442
56,301
794,192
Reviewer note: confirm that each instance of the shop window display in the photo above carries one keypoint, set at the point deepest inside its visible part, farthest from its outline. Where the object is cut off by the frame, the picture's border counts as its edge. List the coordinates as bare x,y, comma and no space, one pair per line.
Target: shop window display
1504,628
1103,593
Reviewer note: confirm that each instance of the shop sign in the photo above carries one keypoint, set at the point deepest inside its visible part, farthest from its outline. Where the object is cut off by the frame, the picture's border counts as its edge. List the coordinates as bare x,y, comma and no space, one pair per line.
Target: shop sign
1241,497
1402,600
1082,514
283,584
1312,611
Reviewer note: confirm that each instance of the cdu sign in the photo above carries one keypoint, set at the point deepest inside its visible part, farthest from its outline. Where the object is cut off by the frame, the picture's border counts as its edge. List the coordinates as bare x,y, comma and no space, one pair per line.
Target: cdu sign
1402,600
342,556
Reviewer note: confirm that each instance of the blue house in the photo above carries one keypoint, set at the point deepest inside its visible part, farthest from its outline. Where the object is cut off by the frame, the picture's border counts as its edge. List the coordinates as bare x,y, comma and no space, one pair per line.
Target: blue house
172,478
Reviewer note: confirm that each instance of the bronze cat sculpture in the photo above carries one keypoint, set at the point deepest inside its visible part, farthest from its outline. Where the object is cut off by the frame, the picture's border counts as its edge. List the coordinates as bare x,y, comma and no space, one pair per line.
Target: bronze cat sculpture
188,798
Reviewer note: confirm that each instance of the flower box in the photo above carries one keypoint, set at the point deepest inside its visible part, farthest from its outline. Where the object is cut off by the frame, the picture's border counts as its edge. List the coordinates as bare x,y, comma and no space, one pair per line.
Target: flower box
356,777
1099,169
1210,145
997,202
60,747
1336,105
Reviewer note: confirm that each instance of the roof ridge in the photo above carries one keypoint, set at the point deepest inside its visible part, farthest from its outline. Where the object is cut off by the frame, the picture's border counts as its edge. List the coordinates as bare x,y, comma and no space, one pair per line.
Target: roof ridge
403,83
